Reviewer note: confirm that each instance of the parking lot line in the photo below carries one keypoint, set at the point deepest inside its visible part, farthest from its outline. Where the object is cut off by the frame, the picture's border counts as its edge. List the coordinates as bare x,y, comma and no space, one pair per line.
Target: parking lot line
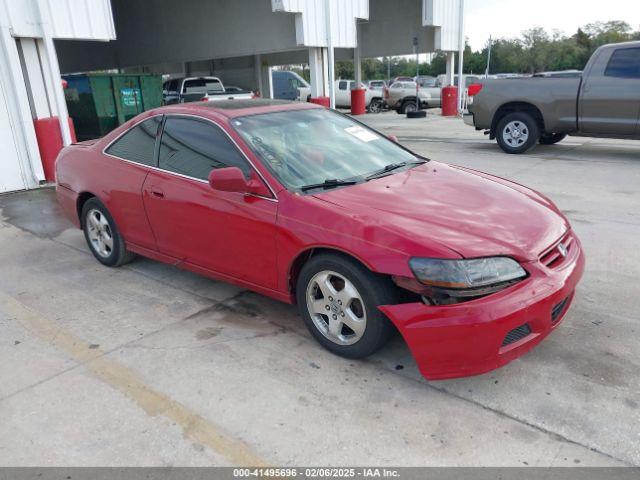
128,382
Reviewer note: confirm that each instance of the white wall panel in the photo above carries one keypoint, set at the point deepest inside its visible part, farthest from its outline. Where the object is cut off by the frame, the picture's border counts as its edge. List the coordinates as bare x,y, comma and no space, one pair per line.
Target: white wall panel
10,174
444,15
70,19
310,20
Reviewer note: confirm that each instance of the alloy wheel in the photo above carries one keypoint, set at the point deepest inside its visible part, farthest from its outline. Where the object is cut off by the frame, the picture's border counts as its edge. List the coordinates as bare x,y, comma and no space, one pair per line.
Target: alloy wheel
515,133
336,308
99,233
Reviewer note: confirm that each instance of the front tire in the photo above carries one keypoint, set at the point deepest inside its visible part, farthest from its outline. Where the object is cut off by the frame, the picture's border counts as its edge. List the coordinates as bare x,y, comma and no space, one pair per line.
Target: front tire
551,138
338,299
517,132
102,235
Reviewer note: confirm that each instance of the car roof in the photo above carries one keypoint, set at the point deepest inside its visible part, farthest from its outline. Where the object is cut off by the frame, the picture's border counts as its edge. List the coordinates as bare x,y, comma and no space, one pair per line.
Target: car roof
235,108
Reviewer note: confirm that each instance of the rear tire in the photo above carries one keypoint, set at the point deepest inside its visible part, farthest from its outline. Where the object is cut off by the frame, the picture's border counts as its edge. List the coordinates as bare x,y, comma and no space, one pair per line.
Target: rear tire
334,294
551,138
517,132
375,106
408,106
102,235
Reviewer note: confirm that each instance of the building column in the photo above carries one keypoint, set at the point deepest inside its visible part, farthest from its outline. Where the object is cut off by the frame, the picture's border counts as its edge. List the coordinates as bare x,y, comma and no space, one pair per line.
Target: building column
54,73
329,59
257,68
264,78
357,65
318,72
451,61
461,88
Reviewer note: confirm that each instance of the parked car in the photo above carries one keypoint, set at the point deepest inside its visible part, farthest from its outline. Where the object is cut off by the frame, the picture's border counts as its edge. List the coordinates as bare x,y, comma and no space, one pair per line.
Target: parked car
287,83
468,80
401,79
195,89
559,73
373,98
362,234
401,97
377,84
234,89
426,81
602,102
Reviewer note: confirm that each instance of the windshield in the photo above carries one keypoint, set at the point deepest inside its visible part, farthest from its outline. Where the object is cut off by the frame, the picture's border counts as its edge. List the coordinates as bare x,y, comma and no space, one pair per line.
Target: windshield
308,147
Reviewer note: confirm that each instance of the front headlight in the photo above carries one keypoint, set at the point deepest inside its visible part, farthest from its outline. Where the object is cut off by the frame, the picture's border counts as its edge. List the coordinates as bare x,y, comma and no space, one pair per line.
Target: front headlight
474,273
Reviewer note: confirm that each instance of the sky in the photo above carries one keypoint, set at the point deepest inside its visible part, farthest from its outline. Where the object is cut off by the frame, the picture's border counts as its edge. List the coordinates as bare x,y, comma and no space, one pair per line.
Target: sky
507,18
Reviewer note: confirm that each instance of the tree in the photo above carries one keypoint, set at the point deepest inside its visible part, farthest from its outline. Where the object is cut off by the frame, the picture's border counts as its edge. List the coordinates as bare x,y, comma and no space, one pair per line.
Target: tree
536,50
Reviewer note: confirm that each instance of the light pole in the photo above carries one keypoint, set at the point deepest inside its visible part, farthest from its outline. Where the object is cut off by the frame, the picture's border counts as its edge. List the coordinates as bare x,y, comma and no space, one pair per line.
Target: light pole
486,73
415,50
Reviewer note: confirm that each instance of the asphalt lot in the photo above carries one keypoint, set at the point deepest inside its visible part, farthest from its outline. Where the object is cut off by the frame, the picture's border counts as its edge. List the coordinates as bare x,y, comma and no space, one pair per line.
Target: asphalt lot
151,365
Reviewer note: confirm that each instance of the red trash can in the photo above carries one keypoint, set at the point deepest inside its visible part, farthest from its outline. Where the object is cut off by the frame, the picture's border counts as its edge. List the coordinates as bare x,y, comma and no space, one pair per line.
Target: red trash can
324,101
449,98
358,101
49,140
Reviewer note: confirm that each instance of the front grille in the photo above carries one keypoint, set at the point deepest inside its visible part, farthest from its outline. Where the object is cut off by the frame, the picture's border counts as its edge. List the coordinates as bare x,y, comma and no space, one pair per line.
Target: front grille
516,334
556,254
557,310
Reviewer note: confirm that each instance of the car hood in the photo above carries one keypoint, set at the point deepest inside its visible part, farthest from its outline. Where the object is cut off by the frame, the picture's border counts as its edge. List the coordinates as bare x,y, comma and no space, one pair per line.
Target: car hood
471,213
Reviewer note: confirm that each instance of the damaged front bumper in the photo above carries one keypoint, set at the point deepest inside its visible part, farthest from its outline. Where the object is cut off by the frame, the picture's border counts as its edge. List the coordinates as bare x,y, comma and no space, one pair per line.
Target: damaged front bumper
481,335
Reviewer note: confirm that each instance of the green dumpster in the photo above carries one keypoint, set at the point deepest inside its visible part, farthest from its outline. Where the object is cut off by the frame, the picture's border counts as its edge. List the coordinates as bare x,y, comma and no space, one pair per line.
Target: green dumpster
99,102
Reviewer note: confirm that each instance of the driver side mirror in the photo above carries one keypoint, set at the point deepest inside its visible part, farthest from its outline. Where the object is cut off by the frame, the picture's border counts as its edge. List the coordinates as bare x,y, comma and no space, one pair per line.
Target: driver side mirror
228,179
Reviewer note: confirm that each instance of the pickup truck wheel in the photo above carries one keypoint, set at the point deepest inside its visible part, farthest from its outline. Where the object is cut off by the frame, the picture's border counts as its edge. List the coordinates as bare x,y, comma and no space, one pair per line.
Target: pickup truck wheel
408,106
517,132
551,138
375,106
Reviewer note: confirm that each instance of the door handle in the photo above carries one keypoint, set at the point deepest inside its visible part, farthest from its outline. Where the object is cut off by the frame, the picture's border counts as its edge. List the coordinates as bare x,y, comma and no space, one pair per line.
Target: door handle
157,193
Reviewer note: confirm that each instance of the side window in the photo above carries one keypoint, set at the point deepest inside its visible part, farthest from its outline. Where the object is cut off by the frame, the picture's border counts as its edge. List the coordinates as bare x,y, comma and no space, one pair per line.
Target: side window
171,86
213,86
342,85
293,83
194,148
624,63
138,144
197,85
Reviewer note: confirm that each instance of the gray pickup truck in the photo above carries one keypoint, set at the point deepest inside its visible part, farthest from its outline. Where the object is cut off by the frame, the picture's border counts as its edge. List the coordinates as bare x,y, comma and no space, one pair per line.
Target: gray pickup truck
602,102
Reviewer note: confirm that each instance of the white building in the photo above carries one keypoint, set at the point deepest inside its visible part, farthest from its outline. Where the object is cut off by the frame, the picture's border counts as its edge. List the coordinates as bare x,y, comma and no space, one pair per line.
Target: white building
238,40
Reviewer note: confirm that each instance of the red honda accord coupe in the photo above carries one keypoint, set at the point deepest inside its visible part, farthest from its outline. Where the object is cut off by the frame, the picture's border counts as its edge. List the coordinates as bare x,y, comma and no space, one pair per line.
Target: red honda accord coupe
311,207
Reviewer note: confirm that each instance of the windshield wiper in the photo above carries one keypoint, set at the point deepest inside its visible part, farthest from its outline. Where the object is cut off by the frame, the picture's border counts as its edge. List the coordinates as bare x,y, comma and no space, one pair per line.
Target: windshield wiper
391,167
329,183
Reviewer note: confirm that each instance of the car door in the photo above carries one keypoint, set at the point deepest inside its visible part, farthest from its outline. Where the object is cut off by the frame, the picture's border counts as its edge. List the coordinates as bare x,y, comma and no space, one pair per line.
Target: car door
610,93
130,158
341,94
229,233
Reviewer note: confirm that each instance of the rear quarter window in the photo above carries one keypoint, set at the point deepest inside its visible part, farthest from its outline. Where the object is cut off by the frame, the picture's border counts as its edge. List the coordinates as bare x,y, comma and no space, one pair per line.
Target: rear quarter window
624,63
138,144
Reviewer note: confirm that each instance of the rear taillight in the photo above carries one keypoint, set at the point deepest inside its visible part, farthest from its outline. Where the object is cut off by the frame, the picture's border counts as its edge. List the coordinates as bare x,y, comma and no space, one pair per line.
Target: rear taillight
204,99
474,89
385,92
